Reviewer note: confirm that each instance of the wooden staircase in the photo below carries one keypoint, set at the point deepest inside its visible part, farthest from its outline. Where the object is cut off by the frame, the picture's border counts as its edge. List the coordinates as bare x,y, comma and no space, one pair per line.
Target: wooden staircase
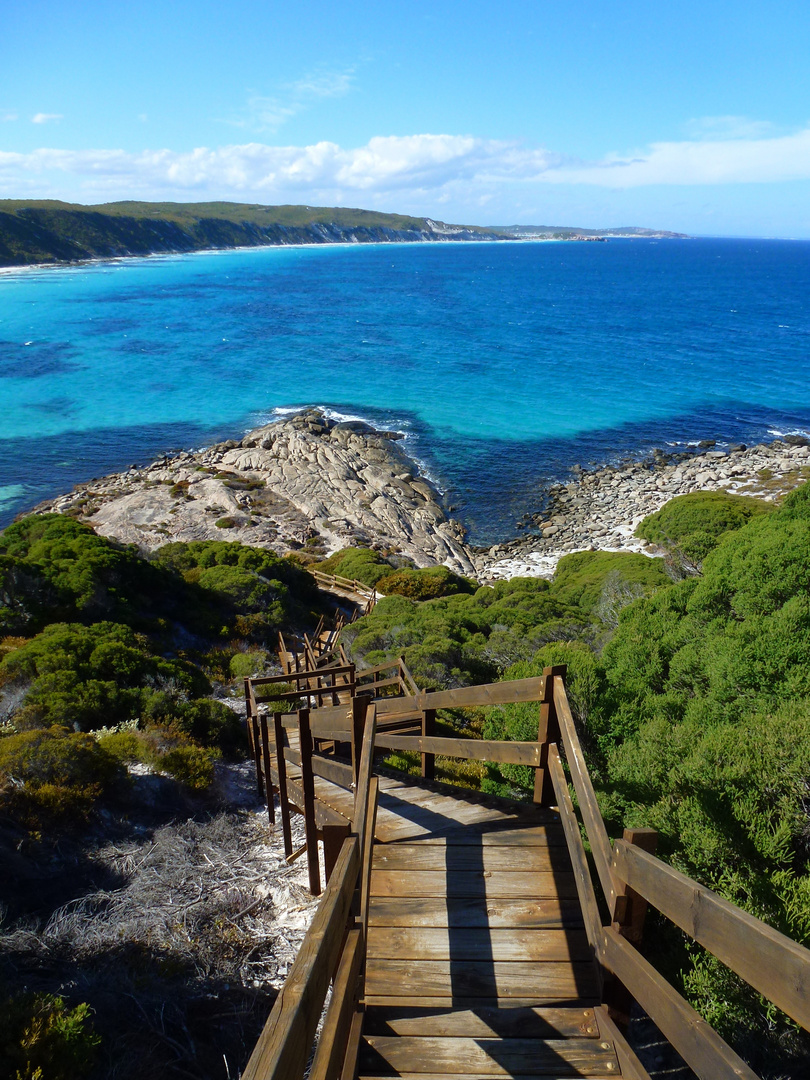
461,933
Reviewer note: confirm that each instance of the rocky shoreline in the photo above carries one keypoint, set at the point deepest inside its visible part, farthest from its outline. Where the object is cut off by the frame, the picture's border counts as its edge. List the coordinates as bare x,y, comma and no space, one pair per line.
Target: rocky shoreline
311,483
600,510
306,482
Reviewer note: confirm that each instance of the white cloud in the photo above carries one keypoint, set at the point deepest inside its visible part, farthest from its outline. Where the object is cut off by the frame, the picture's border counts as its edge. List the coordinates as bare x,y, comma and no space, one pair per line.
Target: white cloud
713,161
46,118
268,113
394,171
727,127
8,117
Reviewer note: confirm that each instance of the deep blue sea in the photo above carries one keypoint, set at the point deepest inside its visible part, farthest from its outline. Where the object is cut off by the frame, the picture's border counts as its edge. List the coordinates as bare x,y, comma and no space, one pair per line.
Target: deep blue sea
505,363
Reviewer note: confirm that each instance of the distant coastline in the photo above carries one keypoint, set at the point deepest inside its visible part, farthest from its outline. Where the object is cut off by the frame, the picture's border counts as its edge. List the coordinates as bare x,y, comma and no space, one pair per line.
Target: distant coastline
43,233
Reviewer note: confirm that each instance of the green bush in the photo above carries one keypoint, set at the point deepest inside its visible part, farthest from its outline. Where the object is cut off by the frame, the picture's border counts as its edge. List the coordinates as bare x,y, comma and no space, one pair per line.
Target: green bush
41,1038
190,765
95,676
243,664
425,584
694,524
54,568
360,564
461,639
54,775
586,579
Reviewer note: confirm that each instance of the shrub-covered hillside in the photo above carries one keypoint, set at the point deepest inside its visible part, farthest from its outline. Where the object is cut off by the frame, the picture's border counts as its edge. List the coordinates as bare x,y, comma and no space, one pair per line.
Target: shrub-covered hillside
94,637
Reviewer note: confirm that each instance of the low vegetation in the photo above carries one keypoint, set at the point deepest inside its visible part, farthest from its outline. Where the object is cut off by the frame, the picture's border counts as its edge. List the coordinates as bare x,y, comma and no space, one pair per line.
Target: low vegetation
688,678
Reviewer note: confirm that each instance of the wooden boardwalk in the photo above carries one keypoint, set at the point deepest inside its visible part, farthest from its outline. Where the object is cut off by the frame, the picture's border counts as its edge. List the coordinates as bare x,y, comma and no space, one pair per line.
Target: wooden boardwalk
477,959
461,933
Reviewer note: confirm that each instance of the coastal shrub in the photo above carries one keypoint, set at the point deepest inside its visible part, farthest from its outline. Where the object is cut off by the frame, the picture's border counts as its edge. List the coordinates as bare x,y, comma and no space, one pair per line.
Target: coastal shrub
212,724
95,676
55,568
357,563
694,524
226,523
252,662
725,644
424,584
42,1038
189,765
519,722
581,578
463,638
242,581
54,775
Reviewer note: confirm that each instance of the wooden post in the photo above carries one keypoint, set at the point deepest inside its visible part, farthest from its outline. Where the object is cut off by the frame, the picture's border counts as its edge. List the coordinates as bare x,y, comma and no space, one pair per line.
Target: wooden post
257,754
308,786
283,802
359,707
268,781
629,912
548,733
630,908
333,837
428,730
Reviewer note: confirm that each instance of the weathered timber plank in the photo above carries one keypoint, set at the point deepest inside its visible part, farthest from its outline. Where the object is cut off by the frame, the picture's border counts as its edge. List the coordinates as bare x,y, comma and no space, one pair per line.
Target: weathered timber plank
482,1022
470,943
494,834
514,753
586,796
576,850
466,857
488,883
629,1064
487,1057
552,981
507,913
501,693
773,964
342,1006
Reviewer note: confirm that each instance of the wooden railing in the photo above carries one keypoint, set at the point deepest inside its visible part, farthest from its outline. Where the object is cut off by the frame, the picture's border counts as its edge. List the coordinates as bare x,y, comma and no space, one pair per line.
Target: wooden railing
629,874
333,951
350,585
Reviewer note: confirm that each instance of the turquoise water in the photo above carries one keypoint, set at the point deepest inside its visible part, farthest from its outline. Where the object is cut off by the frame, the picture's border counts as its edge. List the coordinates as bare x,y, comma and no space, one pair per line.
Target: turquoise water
505,363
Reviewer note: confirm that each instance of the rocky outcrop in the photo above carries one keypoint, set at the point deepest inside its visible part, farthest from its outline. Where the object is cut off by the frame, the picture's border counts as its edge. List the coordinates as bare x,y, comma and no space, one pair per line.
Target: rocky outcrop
601,509
310,482
304,482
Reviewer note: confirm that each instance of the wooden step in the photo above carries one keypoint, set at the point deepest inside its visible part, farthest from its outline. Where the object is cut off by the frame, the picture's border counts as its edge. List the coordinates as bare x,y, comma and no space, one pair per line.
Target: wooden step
490,884
479,943
553,981
506,912
484,1021
451,857
382,1055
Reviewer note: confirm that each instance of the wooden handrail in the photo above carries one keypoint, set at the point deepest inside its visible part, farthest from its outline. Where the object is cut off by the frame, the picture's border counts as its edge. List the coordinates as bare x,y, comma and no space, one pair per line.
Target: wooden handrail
775,966
586,796
513,753
314,673
284,1045
502,693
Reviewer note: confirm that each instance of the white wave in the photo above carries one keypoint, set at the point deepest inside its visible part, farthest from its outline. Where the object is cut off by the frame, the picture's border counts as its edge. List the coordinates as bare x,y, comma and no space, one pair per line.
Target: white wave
11,492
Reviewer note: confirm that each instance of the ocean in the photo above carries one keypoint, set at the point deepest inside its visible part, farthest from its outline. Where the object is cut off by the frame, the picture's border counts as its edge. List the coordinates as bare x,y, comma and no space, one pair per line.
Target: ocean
504,364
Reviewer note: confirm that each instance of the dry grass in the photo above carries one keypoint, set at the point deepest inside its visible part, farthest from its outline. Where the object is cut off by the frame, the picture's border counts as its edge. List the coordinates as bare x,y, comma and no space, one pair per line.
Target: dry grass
181,951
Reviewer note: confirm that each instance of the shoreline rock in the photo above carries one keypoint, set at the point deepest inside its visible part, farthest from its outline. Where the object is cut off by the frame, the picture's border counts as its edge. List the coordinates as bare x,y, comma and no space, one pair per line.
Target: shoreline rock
308,482
304,482
600,510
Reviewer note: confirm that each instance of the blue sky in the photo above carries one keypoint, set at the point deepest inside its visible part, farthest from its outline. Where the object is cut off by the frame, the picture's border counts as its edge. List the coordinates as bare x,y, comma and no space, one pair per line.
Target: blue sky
693,117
